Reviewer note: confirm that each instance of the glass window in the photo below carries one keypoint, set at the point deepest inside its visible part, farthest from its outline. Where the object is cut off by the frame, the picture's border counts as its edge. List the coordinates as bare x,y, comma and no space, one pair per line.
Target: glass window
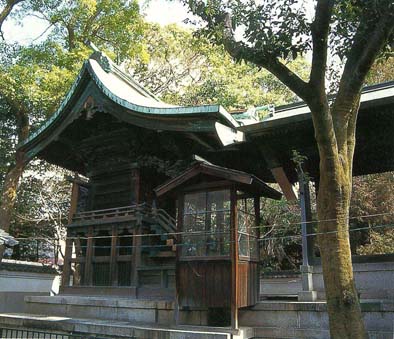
247,232
206,223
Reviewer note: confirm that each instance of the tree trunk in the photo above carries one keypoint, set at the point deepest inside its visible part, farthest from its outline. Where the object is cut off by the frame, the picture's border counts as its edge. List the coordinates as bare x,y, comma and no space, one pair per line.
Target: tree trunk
11,181
8,195
333,204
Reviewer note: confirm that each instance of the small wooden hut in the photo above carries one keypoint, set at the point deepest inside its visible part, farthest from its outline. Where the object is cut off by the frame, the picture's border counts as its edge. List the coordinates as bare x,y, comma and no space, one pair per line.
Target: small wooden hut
217,263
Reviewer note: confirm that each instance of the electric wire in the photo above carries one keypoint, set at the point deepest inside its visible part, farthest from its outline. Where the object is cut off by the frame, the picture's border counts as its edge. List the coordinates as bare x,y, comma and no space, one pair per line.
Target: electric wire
205,232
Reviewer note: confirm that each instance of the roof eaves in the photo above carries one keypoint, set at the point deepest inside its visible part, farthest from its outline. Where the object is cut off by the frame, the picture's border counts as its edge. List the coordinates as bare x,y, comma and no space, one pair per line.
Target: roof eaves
297,112
51,120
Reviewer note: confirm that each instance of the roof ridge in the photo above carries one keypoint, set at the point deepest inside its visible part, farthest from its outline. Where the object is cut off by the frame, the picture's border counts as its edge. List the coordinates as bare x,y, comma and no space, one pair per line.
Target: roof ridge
110,66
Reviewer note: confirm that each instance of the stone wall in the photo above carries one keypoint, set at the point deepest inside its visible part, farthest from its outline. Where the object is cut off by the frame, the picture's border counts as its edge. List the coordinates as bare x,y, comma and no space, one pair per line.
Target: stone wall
20,278
373,280
309,320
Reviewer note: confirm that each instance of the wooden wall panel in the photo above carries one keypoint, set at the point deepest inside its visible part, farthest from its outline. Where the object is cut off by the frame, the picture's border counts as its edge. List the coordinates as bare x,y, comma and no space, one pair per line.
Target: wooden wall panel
115,189
204,283
248,284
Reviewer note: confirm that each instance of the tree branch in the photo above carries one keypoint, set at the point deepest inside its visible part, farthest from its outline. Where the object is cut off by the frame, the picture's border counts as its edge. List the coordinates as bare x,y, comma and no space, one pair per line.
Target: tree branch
320,29
5,12
368,43
239,50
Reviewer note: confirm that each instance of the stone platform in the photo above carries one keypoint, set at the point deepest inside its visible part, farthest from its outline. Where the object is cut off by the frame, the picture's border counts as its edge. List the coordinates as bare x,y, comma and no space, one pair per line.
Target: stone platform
105,308
135,318
309,320
117,329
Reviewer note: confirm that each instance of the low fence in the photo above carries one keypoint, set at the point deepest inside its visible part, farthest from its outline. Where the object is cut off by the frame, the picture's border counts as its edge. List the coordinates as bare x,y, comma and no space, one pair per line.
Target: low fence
13,333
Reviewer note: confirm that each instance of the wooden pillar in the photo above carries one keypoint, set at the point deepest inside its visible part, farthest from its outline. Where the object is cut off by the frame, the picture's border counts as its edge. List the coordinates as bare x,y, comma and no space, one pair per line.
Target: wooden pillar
131,262
180,202
67,263
136,182
89,255
69,243
137,240
113,259
257,233
256,202
306,225
307,293
234,259
74,201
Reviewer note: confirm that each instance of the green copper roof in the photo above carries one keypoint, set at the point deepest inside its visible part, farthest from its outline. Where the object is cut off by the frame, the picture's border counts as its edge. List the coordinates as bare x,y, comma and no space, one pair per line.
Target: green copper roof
138,106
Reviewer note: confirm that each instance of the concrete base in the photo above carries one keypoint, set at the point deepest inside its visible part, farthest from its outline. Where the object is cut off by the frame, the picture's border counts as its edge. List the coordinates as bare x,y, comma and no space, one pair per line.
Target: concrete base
105,308
14,302
118,309
307,296
268,319
309,320
119,329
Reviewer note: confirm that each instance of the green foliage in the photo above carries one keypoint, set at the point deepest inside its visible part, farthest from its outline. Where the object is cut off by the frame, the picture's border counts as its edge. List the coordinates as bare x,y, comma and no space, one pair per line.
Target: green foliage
113,25
381,71
282,28
188,70
280,230
379,243
372,206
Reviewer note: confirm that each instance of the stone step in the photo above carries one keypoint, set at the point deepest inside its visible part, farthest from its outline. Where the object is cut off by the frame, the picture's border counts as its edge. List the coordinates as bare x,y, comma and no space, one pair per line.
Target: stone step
106,308
119,329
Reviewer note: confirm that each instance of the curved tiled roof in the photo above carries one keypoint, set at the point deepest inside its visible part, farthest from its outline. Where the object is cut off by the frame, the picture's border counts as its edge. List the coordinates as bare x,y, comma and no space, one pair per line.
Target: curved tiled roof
143,108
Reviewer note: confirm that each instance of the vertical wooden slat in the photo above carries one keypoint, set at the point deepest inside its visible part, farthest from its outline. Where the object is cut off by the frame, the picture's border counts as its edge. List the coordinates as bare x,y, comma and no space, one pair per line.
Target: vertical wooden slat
89,255
113,259
66,265
234,259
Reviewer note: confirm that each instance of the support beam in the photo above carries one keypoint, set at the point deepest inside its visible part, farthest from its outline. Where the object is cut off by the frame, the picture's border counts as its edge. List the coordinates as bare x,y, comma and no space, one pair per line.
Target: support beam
306,218
67,264
73,202
136,254
113,263
307,293
256,203
278,172
284,183
180,205
234,259
89,255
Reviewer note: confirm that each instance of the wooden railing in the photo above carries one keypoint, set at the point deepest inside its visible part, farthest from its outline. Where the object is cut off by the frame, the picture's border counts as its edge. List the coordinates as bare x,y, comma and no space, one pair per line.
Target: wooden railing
125,213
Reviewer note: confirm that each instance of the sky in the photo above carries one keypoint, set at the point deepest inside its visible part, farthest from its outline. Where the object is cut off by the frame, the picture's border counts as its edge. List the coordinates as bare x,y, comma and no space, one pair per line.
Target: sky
31,29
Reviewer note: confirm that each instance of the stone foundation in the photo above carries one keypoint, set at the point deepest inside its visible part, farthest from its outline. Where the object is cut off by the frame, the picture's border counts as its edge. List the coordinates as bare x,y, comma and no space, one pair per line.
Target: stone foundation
309,320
